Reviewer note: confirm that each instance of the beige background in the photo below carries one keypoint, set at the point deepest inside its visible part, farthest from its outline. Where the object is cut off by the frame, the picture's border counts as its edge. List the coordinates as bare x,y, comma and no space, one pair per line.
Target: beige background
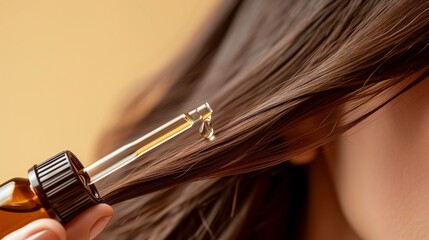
65,66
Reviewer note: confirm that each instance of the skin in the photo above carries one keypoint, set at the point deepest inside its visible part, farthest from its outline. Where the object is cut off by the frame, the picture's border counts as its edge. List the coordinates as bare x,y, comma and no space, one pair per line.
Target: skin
373,181
85,226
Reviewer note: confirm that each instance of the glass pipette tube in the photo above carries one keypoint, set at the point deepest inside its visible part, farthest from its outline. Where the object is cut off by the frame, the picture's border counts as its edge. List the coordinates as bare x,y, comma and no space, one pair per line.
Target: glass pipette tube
133,150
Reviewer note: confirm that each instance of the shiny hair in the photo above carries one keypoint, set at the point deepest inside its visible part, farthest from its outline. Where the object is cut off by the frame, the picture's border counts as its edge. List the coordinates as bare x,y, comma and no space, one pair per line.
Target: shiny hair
269,69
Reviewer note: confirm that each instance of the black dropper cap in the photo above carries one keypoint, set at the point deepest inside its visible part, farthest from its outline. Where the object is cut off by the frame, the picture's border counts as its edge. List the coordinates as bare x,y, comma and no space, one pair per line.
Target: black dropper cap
61,190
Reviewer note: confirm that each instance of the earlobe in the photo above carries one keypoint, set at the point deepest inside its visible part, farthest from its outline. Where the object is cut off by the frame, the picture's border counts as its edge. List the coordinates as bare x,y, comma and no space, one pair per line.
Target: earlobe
301,138
304,158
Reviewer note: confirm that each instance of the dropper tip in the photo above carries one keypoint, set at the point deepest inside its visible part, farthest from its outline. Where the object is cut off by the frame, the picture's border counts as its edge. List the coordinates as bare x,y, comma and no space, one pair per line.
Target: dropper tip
205,110
202,113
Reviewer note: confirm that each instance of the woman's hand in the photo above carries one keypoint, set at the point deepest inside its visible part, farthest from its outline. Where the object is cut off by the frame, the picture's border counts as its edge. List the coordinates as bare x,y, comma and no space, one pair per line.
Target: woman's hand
85,226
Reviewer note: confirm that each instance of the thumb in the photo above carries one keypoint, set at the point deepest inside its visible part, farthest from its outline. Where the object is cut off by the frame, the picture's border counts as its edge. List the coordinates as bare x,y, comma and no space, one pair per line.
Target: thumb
89,223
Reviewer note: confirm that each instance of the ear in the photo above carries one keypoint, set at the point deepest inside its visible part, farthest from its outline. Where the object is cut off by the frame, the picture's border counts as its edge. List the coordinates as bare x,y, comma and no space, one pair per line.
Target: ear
304,158
306,132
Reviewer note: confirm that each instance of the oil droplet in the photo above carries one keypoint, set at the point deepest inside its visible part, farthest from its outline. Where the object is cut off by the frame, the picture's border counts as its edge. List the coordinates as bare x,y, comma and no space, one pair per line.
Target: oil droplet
206,129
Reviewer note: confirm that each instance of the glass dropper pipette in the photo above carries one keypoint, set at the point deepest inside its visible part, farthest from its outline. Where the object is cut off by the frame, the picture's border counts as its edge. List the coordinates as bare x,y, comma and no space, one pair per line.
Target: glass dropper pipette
62,188
133,150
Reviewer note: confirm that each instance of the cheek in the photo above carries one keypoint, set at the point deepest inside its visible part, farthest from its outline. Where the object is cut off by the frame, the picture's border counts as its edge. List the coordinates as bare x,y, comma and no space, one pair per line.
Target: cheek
381,170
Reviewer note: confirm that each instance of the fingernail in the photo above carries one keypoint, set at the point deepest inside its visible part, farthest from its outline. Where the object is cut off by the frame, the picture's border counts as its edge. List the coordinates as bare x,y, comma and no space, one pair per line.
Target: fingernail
98,227
43,235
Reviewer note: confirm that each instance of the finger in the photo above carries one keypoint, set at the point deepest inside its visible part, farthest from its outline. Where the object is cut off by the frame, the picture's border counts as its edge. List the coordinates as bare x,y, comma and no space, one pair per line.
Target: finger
89,223
42,229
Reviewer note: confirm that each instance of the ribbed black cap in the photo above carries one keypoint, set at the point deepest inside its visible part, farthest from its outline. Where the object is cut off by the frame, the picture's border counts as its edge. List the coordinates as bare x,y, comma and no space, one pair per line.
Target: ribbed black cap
61,190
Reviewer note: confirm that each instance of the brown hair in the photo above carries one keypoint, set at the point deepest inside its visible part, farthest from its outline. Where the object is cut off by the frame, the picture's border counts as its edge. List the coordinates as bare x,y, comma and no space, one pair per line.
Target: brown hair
267,68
